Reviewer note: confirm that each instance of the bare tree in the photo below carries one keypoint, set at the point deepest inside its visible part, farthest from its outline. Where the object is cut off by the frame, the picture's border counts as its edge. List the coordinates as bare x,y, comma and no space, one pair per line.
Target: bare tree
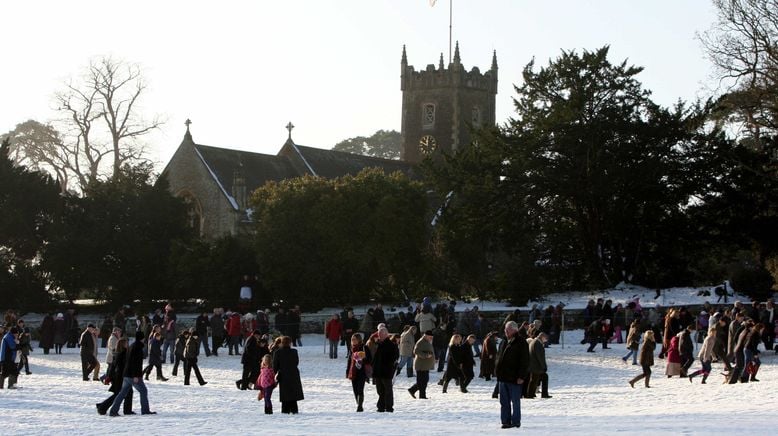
743,46
118,86
80,110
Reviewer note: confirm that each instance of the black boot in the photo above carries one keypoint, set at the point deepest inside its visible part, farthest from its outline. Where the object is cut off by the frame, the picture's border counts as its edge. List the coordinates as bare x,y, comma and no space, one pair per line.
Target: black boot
360,400
412,390
445,385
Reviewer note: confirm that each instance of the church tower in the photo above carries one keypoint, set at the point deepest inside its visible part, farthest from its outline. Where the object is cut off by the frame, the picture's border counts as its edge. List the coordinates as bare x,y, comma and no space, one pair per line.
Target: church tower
441,105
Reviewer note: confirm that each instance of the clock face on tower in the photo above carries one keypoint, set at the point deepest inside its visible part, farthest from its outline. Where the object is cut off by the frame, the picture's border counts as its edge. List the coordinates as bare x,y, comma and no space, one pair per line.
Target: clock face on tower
427,145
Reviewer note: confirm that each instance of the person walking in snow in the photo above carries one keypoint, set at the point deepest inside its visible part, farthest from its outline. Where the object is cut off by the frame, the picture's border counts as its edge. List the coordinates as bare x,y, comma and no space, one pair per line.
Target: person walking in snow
133,378
155,357
673,353
468,363
488,353
646,358
407,343
686,348
705,355
88,361
116,375
110,354
191,351
357,368
179,351
453,362
423,363
633,342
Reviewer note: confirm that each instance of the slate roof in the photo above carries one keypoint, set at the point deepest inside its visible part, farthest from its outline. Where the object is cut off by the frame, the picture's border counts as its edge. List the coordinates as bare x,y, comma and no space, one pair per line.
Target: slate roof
257,168
291,161
332,164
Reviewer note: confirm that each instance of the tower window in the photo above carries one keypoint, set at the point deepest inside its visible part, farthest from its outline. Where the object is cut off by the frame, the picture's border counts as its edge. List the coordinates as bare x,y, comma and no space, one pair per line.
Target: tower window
476,116
428,116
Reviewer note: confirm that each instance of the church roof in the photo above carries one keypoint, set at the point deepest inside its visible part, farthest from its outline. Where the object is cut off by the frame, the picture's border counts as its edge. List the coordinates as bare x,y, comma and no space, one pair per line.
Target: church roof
257,168
291,161
331,163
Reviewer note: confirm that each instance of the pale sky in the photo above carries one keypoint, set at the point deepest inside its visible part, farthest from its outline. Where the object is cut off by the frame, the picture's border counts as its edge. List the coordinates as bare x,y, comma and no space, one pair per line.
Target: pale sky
242,69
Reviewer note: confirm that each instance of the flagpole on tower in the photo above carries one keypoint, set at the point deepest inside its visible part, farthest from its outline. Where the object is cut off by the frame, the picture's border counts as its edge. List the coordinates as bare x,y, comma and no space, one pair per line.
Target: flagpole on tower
450,21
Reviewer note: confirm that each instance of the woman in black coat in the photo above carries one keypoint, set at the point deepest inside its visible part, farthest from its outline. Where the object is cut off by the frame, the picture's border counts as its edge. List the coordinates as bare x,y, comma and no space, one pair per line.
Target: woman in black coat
454,362
47,333
117,379
59,333
290,387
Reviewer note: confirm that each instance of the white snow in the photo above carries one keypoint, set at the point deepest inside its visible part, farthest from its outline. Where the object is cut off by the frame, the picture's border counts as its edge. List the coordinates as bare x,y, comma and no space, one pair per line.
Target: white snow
621,293
590,395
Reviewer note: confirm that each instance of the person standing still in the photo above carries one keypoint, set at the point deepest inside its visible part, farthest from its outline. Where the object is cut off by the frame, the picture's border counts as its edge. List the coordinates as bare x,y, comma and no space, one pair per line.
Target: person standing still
332,331
512,370
384,364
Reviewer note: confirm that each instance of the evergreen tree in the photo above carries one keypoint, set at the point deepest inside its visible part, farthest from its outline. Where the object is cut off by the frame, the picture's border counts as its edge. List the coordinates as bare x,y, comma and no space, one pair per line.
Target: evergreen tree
29,201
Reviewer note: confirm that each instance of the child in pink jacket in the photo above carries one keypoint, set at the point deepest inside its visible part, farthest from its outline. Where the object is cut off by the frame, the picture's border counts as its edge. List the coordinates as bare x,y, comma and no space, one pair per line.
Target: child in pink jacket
266,382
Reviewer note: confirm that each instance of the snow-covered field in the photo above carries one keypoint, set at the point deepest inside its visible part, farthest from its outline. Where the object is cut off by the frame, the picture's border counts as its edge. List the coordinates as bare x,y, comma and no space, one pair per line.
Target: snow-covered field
590,395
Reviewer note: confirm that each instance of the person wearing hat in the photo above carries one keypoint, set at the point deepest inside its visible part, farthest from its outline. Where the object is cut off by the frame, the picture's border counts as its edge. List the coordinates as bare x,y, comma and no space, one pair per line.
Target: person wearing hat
250,360
8,368
423,363
59,333
88,360
133,378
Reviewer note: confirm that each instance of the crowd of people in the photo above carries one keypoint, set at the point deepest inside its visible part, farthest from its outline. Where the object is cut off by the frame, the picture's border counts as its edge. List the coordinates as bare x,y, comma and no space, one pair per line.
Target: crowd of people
728,335
427,338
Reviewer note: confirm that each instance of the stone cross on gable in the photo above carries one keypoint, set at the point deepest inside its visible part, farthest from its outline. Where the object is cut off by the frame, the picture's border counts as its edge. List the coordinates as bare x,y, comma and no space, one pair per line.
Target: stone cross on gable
289,127
187,122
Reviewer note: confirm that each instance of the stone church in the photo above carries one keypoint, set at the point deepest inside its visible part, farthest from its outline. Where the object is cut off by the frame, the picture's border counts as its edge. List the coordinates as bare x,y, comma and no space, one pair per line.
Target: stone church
439,108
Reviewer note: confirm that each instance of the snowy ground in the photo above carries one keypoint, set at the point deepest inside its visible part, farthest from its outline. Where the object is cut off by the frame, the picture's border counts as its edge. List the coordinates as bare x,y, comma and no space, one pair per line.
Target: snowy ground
590,395
622,293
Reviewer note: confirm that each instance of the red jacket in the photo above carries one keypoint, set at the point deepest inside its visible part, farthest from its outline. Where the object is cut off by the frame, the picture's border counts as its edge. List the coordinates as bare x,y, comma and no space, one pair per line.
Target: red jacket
233,326
333,329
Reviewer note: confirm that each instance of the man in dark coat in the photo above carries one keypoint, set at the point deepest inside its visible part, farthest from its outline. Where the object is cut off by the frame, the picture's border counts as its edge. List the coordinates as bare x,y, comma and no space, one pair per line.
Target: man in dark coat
133,378
538,369
217,332
384,361
191,351
512,371
201,326
88,360
250,361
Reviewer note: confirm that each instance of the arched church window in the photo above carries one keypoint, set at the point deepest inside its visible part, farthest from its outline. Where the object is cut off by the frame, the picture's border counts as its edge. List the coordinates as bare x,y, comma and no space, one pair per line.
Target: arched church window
428,116
194,212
